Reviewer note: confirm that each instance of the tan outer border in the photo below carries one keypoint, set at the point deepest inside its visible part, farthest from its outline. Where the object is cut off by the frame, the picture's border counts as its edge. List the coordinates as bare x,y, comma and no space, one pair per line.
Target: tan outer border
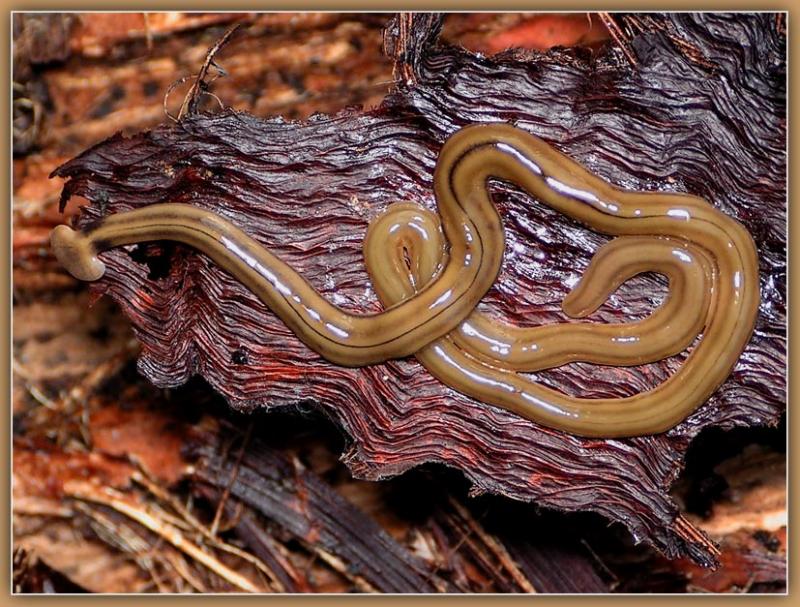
365,5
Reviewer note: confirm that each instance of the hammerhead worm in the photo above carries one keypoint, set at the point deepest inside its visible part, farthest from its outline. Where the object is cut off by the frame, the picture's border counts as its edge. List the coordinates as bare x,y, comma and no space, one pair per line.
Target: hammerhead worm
430,271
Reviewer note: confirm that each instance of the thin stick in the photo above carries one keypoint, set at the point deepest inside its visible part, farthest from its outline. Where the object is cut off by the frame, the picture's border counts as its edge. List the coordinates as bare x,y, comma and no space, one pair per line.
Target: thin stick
618,36
234,473
499,550
160,493
164,530
200,85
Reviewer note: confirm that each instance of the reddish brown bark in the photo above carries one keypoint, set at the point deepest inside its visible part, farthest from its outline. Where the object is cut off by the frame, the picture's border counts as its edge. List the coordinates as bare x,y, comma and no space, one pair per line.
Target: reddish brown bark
320,181
87,426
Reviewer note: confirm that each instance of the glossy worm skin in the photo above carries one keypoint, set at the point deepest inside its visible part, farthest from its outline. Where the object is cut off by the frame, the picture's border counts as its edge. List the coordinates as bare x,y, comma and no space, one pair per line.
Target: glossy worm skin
405,246
430,272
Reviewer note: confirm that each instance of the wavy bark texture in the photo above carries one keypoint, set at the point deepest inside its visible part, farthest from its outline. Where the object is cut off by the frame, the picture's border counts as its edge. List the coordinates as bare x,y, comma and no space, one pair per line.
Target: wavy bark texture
702,110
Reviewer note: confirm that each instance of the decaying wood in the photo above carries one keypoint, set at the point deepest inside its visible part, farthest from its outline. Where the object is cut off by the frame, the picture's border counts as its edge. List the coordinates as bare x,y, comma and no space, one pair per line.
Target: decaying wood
176,455
309,510
322,180
279,513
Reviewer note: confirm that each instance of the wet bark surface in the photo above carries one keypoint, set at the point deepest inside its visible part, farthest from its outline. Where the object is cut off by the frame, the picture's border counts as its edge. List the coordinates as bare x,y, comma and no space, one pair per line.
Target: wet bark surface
704,115
109,472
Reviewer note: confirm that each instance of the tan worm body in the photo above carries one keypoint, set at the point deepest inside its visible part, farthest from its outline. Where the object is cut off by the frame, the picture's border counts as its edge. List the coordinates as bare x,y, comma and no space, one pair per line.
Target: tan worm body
709,258
405,248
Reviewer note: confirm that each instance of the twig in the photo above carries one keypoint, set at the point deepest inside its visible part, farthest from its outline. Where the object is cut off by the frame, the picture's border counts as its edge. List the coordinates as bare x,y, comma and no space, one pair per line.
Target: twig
161,528
339,566
498,549
618,36
179,564
160,493
200,86
693,535
234,473
600,562
450,552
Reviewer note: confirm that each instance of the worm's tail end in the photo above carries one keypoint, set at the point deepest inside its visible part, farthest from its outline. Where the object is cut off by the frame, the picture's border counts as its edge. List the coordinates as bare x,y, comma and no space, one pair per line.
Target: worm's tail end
77,253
